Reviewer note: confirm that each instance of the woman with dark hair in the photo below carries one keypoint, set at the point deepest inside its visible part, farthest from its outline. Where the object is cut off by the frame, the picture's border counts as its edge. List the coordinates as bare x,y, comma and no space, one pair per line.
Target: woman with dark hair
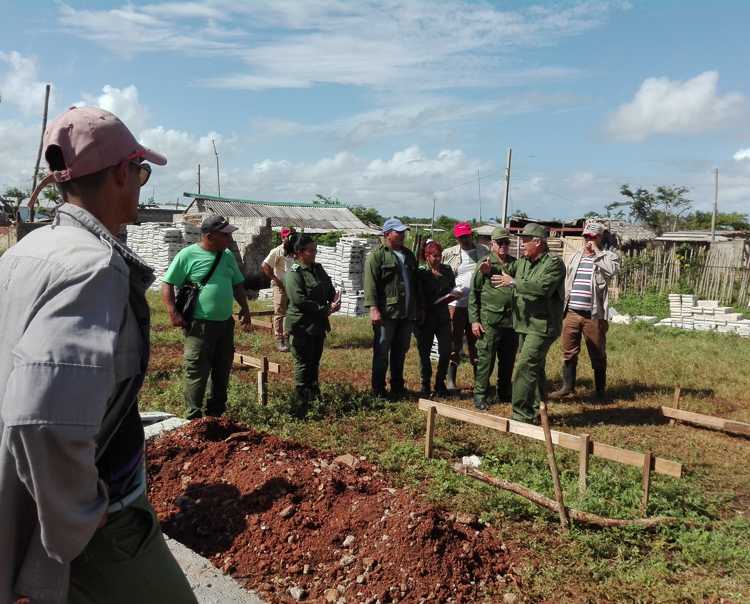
437,282
311,299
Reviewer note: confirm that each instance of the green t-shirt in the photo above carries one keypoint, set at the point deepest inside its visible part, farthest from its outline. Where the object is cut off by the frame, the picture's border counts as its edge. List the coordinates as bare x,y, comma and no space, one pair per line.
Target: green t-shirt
216,298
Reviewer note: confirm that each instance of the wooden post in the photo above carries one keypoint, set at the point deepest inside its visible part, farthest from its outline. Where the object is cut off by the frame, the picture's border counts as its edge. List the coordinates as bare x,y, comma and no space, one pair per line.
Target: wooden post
431,416
647,460
263,382
677,393
583,463
564,520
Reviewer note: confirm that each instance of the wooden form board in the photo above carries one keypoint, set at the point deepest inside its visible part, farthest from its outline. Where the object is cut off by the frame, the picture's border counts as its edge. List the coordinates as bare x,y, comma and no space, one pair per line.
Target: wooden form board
261,313
561,439
707,421
243,359
261,323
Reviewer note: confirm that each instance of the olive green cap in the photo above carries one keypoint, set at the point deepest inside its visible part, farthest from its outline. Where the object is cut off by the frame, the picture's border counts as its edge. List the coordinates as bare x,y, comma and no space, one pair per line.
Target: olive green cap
533,229
500,233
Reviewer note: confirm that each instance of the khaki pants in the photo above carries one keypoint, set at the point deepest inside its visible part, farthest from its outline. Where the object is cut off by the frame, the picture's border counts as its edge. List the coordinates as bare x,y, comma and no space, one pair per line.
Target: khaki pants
460,327
126,561
280,303
594,332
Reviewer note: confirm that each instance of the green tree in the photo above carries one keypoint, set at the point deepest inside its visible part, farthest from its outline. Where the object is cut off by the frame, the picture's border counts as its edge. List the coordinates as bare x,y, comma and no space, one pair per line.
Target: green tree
660,210
733,221
367,215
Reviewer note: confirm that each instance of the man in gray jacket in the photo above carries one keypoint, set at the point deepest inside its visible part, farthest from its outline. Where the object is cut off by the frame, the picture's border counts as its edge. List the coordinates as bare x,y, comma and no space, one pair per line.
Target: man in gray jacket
74,326
586,310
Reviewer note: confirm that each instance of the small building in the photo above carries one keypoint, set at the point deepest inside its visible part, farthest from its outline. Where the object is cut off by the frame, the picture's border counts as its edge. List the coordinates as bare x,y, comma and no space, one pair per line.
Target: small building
308,217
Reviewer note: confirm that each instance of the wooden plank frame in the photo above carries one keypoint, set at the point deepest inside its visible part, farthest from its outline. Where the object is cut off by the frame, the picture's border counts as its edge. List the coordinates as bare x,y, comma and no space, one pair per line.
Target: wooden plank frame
264,367
261,323
707,421
562,439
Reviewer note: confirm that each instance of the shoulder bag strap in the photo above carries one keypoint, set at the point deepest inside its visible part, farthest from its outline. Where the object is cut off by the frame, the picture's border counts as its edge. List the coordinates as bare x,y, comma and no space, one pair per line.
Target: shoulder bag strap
213,268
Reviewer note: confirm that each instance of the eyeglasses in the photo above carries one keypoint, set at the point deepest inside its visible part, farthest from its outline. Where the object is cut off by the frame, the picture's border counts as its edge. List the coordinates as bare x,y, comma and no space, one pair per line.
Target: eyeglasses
144,172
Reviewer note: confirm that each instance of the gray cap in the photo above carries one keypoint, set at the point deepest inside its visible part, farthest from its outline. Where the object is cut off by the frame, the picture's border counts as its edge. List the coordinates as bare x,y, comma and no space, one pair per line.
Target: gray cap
532,229
593,228
217,224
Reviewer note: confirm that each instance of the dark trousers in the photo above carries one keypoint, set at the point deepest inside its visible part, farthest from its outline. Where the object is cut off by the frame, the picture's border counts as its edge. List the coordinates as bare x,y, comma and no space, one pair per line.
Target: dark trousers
390,343
426,334
529,381
594,332
498,343
306,349
460,329
209,352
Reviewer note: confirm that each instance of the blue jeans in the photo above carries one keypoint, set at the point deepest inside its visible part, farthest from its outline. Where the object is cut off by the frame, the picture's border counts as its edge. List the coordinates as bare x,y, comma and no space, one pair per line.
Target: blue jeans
390,343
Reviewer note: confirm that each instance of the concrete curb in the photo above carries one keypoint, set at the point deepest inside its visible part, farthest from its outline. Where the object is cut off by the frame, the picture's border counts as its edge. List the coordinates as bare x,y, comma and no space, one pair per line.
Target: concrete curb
209,584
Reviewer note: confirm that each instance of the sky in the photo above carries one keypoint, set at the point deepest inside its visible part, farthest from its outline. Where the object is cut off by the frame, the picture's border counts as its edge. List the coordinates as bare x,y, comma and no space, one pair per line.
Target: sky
393,104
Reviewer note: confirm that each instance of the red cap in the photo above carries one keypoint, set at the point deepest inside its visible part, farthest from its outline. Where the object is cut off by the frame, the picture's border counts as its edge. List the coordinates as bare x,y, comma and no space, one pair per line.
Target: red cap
461,229
91,139
286,231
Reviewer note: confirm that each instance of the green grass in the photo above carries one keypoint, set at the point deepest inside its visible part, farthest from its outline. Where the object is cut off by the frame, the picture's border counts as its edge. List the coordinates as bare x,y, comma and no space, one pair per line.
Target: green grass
706,556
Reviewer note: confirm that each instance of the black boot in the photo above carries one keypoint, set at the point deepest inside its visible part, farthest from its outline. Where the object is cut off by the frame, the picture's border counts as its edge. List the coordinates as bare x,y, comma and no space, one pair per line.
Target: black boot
480,403
450,381
600,383
425,390
569,382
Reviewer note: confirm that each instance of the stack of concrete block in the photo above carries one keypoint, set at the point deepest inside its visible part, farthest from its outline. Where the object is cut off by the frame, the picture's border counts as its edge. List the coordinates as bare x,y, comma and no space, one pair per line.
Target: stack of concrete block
157,243
687,312
344,264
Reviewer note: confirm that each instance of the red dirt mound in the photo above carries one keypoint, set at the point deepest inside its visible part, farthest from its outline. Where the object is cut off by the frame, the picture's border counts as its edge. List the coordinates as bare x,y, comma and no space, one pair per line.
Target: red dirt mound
293,523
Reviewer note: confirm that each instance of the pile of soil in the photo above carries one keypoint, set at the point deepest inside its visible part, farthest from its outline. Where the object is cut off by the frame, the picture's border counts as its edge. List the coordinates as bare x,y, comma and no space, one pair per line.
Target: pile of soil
298,524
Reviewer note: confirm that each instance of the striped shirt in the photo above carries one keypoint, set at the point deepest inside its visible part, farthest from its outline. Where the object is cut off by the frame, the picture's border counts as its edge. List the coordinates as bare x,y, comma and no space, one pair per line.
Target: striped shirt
581,295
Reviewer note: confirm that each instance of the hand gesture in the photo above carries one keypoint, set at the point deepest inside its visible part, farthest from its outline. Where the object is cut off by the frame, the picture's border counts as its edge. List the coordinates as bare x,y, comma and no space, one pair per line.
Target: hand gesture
245,319
335,304
477,330
485,267
504,280
375,316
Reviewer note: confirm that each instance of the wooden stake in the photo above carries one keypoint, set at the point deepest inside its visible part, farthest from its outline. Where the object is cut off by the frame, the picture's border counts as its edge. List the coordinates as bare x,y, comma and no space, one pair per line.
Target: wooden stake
431,416
263,382
548,503
647,460
564,521
583,463
677,393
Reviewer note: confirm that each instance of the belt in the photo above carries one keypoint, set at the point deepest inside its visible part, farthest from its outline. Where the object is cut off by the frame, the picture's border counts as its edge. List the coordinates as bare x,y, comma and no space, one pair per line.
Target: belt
584,313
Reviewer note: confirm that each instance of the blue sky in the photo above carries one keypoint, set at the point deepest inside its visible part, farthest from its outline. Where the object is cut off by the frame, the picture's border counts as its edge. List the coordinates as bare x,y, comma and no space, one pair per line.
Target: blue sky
387,104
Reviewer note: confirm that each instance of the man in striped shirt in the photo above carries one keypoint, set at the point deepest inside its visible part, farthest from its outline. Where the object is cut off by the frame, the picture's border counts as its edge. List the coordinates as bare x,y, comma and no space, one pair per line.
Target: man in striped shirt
586,310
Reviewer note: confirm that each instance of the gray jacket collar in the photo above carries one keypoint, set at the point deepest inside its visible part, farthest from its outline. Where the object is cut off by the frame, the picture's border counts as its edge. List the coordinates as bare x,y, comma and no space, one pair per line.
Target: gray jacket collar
72,215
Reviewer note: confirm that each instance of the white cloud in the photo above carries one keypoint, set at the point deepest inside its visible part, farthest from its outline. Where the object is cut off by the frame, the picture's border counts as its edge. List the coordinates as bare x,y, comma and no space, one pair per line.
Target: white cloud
664,106
19,84
124,103
742,154
18,153
415,44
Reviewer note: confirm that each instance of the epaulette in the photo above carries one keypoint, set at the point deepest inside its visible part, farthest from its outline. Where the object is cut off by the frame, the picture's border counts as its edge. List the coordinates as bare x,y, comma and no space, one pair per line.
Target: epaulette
296,267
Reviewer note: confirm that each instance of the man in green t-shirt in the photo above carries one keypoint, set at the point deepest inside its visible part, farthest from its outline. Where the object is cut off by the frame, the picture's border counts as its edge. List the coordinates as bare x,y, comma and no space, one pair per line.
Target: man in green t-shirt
209,339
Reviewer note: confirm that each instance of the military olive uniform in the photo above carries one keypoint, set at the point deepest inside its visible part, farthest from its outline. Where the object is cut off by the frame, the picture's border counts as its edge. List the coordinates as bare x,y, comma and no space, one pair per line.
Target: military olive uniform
397,300
492,307
538,298
310,293
435,324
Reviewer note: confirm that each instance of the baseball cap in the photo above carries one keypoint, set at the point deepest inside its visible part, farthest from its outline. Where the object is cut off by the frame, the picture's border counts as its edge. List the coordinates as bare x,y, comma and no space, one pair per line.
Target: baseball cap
394,224
461,229
532,229
90,139
286,231
500,233
217,224
593,229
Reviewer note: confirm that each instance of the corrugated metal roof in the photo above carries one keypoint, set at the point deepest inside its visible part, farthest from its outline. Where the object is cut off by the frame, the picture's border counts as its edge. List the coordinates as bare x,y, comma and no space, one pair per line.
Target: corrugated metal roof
697,236
313,218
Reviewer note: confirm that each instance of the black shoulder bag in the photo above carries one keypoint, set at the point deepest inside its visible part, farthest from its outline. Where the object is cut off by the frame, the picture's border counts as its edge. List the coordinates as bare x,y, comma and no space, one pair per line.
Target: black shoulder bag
187,295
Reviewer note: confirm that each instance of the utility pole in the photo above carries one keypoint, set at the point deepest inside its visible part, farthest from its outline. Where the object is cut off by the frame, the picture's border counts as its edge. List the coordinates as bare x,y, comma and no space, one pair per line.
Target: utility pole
716,204
432,224
39,152
199,179
507,188
218,182
479,195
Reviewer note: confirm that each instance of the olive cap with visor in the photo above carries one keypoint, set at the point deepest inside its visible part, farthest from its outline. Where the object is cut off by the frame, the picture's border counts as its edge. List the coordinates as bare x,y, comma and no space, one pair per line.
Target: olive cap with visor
532,229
